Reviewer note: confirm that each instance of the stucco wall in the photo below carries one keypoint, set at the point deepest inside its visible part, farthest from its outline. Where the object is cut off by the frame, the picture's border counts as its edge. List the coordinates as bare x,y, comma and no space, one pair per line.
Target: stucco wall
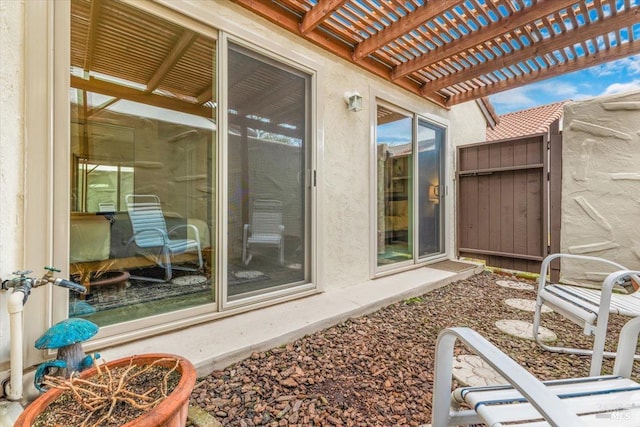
11,151
601,182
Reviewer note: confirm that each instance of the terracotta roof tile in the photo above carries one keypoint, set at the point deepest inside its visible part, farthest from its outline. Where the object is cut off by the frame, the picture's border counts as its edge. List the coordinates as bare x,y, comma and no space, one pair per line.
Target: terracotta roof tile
526,122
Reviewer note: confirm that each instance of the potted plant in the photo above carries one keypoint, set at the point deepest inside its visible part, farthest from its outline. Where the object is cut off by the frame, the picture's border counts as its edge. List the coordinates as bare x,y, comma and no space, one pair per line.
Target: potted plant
148,390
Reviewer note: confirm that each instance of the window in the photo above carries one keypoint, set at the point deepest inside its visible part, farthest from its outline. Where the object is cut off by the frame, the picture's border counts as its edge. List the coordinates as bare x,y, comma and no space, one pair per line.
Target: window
409,171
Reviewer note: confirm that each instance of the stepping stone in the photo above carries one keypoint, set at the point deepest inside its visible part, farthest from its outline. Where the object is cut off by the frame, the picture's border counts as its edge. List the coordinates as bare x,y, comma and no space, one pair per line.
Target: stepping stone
471,370
515,285
525,304
521,329
198,417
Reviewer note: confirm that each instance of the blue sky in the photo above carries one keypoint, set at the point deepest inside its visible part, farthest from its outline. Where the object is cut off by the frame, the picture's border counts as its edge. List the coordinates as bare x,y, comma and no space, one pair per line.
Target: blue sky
612,77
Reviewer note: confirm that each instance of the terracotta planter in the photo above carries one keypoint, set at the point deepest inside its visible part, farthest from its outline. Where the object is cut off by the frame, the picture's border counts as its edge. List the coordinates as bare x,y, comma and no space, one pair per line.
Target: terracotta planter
171,412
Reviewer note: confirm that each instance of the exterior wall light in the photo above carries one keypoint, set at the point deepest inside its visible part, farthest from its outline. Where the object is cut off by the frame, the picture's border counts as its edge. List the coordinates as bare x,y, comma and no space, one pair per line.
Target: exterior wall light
353,100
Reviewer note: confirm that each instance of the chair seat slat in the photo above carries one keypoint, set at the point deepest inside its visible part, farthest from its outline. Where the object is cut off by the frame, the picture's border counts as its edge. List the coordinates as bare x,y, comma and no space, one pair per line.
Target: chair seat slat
610,401
625,418
590,299
473,396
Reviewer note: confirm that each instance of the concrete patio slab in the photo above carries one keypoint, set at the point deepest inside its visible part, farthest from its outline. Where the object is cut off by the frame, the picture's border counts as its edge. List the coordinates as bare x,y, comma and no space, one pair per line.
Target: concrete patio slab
221,342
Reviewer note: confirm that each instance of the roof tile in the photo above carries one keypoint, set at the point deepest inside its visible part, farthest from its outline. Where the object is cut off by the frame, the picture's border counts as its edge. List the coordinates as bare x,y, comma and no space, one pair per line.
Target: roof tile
526,122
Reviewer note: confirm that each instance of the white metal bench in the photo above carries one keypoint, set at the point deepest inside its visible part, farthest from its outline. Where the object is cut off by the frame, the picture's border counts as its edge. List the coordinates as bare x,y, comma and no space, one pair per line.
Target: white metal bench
600,401
587,307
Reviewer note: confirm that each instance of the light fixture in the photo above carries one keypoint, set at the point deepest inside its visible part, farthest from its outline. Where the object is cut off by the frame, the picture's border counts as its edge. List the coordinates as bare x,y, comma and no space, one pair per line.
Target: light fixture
353,100
434,193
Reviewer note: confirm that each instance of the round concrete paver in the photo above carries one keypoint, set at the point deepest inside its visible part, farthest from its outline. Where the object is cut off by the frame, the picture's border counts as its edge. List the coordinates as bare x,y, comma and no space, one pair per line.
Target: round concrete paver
521,329
525,304
515,285
472,371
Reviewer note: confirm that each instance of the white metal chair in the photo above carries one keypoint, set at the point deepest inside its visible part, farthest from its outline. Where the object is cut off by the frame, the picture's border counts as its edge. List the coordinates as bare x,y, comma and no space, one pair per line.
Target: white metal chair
265,229
150,231
587,307
601,401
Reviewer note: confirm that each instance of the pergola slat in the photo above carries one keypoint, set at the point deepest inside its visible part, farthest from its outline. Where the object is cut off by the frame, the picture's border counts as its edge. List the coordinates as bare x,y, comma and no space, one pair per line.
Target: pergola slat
542,48
516,20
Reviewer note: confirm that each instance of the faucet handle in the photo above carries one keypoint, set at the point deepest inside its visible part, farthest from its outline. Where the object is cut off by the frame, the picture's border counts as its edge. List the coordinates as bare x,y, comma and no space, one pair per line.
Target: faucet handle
22,273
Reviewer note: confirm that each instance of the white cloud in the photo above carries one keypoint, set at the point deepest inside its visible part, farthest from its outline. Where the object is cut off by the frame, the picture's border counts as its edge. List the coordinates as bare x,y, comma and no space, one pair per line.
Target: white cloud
531,95
629,65
514,99
622,87
556,88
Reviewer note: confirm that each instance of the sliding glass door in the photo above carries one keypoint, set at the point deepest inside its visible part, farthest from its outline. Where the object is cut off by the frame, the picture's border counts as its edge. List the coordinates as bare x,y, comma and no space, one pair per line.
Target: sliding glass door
394,149
409,187
267,170
431,140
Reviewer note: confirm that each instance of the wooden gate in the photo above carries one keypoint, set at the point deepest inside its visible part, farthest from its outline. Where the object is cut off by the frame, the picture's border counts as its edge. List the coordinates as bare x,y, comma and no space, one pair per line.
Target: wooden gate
504,215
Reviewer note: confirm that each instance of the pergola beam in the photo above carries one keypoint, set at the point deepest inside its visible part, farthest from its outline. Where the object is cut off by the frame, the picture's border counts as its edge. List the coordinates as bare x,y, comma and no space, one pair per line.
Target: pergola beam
94,16
321,11
402,26
518,19
177,51
591,60
544,47
135,95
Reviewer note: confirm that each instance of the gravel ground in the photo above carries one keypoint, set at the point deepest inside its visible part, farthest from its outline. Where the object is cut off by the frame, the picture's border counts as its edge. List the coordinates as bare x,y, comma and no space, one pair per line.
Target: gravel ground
377,370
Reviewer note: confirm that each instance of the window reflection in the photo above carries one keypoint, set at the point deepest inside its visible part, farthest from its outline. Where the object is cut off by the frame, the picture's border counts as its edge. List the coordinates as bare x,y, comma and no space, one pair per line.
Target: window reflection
142,123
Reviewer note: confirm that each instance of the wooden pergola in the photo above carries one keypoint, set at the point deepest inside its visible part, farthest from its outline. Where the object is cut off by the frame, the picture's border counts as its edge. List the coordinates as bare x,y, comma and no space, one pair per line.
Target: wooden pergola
453,51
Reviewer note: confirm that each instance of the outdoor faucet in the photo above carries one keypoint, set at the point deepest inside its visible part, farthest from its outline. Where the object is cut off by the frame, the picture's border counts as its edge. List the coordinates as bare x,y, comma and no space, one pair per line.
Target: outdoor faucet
23,284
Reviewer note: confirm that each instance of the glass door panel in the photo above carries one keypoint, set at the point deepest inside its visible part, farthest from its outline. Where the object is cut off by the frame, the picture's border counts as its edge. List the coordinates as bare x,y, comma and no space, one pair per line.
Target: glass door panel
268,189
394,148
430,189
142,145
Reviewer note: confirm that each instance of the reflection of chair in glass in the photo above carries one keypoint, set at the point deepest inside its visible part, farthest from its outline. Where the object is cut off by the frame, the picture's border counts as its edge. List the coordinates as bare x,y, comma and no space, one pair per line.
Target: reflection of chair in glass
150,231
265,228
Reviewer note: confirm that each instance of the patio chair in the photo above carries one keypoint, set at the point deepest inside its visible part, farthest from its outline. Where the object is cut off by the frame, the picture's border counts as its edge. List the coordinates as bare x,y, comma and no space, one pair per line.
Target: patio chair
265,229
587,307
150,231
612,400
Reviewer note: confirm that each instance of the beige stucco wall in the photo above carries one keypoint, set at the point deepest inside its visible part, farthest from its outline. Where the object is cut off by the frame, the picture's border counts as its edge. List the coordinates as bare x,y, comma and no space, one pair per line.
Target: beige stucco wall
601,182
344,144
11,151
